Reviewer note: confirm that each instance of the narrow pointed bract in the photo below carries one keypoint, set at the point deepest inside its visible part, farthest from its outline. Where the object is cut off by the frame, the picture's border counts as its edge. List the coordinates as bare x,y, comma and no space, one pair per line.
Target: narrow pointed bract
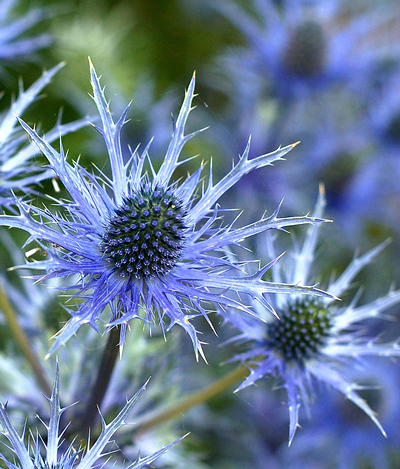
314,340
144,244
14,43
72,457
17,170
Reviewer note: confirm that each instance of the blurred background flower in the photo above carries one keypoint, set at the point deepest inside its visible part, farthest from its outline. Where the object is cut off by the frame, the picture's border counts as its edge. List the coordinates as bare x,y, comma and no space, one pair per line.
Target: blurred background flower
313,342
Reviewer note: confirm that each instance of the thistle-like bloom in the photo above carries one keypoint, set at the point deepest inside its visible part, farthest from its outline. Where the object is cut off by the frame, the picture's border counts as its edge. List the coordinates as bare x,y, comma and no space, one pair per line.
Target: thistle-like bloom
295,50
71,457
306,45
315,340
136,242
17,171
12,43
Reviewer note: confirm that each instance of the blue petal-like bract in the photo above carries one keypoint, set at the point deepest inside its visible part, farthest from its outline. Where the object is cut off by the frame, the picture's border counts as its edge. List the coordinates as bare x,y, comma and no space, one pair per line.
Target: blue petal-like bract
14,45
17,170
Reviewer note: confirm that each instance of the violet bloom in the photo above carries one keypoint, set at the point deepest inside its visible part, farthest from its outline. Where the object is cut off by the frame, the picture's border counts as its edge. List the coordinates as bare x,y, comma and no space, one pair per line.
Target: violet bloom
303,46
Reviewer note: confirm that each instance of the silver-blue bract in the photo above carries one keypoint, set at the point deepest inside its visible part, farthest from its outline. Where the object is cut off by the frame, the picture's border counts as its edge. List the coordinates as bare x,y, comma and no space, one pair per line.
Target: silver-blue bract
314,341
72,457
342,435
17,171
13,44
138,242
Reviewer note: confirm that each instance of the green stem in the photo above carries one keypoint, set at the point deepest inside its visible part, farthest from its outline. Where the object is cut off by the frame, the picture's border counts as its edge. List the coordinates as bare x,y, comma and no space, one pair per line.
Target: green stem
159,416
23,342
100,386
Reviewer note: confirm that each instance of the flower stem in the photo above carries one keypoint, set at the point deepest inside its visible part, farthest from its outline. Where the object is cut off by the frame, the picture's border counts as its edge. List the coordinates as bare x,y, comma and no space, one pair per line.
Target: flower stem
159,416
23,342
100,386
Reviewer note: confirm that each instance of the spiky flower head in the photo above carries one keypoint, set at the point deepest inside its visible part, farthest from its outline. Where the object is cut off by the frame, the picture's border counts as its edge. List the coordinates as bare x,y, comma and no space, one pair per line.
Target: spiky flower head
306,45
143,242
13,44
17,170
315,340
71,457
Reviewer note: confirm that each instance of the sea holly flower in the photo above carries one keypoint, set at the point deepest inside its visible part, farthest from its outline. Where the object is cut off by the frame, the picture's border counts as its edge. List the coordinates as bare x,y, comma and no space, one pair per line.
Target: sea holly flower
17,171
315,340
298,60
72,456
139,242
295,76
304,46
13,44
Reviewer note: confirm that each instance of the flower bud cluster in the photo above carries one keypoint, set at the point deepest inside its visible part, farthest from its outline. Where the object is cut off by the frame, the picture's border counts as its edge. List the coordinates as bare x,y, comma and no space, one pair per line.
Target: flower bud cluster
146,235
301,331
306,50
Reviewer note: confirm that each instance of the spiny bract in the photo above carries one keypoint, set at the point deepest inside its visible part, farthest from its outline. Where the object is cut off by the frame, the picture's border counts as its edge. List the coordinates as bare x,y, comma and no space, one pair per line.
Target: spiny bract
14,45
72,457
17,169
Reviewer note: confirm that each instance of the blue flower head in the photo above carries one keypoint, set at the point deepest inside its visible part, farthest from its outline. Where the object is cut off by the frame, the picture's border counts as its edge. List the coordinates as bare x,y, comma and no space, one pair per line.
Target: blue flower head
139,242
305,45
13,44
17,171
72,457
314,341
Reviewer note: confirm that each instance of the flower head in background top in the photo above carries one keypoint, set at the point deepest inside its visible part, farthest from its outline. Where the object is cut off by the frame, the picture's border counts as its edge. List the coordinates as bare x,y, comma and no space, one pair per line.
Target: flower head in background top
140,242
71,457
13,45
297,76
314,341
17,171
306,45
